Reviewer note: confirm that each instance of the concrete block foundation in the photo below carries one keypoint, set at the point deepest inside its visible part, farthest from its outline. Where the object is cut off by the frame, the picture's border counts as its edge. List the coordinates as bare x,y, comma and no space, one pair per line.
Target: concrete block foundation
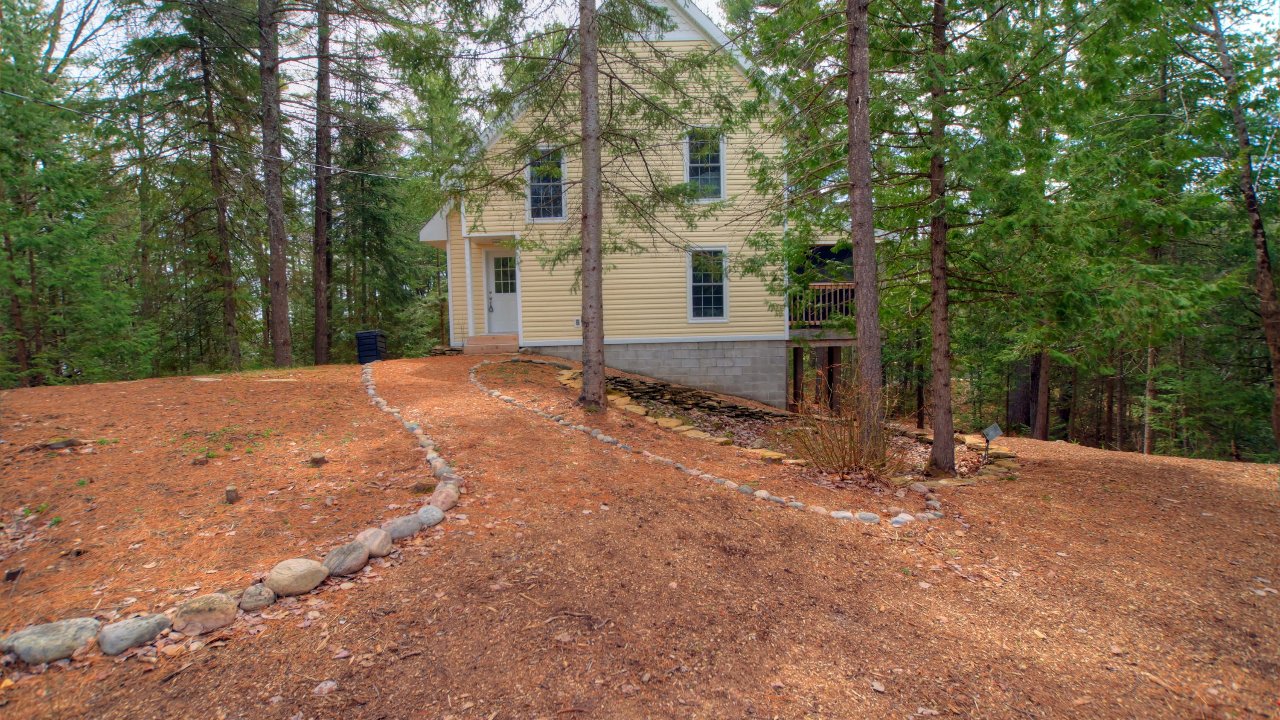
755,369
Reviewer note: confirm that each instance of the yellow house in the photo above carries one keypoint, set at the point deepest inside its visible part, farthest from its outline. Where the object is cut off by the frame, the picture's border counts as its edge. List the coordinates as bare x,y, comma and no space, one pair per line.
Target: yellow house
674,311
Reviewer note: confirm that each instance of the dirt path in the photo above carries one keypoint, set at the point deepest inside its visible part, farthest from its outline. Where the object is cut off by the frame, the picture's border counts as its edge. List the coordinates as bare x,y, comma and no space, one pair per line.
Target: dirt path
587,582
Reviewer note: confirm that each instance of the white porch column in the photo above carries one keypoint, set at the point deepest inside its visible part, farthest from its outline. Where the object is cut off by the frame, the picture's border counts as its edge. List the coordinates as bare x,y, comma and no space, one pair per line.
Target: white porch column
471,311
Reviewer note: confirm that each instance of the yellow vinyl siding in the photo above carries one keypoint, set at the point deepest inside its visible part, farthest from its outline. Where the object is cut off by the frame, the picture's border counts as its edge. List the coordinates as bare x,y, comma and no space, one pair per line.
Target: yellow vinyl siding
458,277
646,295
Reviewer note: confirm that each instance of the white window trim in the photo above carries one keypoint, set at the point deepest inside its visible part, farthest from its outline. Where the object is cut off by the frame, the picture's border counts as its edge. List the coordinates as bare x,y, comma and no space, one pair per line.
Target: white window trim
684,151
528,190
688,283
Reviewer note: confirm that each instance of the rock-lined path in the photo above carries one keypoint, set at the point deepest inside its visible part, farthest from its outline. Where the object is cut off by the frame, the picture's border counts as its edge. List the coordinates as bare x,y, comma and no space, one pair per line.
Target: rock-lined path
576,580
40,644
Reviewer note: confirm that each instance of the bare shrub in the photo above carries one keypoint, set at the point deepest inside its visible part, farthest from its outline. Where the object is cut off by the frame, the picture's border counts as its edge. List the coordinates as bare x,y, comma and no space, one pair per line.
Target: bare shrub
834,441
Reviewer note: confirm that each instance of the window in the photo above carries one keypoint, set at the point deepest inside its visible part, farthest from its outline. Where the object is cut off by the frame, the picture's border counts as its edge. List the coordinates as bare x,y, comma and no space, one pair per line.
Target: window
704,164
504,275
707,285
546,186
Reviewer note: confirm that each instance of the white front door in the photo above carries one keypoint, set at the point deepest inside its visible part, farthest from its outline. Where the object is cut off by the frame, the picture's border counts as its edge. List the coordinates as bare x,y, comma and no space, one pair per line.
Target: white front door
500,291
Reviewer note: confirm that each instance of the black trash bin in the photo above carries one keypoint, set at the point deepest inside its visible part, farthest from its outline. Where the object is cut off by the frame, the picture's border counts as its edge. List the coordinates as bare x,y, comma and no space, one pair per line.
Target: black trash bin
370,345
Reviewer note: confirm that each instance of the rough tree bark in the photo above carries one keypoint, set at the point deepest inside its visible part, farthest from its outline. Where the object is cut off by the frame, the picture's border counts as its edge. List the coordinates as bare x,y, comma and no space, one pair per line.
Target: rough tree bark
146,280
942,453
1264,282
1040,428
35,329
1122,409
865,270
217,180
320,254
1108,417
1073,406
917,376
21,355
268,75
264,300
1148,401
593,393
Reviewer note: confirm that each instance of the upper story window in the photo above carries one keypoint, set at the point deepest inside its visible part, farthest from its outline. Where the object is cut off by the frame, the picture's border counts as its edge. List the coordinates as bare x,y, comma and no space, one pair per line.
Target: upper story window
546,185
707,285
704,163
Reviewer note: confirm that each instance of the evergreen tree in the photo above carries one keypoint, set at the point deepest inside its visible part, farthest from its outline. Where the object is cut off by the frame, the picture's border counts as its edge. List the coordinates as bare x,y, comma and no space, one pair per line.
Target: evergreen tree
63,271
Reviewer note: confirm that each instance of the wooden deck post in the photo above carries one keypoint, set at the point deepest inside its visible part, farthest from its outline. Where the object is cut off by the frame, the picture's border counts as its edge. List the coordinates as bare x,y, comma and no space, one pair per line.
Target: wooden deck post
822,378
833,377
797,379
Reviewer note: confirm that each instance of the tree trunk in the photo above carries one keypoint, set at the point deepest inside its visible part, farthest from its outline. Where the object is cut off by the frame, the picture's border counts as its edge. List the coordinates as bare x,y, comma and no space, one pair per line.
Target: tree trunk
865,270
1073,406
272,170
1122,409
942,453
1109,414
21,355
1040,430
1148,401
593,393
1018,406
146,284
35,329
320,237
797,379
1096,430
1264,283
264,283
917,371
222,225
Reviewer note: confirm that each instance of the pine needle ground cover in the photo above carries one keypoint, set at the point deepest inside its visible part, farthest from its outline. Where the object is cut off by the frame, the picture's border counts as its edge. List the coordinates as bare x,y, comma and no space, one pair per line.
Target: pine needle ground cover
138,514
585,581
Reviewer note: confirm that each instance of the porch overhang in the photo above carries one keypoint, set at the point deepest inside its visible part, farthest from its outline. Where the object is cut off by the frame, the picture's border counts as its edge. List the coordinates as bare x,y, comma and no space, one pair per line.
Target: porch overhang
436,231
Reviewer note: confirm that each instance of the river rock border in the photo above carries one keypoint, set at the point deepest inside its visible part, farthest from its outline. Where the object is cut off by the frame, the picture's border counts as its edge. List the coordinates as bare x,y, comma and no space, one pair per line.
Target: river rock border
899,519
51,642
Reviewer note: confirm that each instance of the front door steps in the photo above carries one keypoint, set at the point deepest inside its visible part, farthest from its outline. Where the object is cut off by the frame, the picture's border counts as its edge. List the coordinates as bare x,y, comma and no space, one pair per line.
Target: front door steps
490,344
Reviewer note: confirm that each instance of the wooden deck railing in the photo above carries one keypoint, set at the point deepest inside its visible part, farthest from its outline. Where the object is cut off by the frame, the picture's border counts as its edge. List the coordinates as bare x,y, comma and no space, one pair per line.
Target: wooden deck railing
820,303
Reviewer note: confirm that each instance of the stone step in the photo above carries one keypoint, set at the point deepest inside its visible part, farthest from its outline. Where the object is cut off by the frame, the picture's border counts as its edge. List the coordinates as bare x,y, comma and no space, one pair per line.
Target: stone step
490,344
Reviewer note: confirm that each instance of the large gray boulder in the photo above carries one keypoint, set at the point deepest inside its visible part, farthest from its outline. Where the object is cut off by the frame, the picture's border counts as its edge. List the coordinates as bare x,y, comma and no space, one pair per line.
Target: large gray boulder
445,496
347,559
204,614
51,641
430,515
402,527
256,597
377,540
120,636
296,576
